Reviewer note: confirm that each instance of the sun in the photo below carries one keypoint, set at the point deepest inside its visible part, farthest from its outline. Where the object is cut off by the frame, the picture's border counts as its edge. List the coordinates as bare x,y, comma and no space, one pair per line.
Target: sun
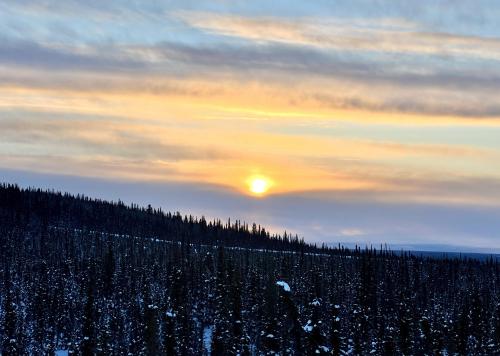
258,185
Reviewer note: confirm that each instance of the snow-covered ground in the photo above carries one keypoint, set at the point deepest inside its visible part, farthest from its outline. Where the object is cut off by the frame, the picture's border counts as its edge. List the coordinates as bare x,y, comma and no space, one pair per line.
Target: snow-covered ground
155,239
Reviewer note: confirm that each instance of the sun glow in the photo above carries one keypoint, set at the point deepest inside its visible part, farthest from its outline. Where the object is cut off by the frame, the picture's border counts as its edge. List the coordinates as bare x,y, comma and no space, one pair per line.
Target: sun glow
259,185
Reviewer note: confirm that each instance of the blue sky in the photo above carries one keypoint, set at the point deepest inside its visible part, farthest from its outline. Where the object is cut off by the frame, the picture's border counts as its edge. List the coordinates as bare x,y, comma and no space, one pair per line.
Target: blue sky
370,121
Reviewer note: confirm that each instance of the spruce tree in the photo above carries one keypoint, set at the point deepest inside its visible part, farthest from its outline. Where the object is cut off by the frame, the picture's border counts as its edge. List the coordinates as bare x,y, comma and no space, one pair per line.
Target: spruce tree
10,339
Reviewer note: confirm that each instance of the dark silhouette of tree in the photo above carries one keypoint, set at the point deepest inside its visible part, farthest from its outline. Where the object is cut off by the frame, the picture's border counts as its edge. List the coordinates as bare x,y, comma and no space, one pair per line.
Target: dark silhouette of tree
10,338
89,322
335,336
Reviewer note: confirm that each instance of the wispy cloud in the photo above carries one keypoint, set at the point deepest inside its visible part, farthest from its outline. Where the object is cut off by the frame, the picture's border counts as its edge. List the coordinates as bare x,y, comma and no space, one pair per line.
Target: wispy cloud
383,35
210,71
35,55
351,232
103,138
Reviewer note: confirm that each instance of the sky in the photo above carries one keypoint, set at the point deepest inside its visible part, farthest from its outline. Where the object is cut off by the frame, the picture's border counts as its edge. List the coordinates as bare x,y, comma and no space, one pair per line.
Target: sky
369,122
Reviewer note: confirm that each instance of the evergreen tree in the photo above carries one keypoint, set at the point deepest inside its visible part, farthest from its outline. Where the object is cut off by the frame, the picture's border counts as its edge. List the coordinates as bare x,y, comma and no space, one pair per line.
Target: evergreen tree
89,330
494,347
315,336
335,338
10,339
169,339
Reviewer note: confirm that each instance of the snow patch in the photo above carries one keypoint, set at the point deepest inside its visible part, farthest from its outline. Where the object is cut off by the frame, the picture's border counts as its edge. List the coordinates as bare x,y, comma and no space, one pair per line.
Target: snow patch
284,285
61,353
308,327
316,302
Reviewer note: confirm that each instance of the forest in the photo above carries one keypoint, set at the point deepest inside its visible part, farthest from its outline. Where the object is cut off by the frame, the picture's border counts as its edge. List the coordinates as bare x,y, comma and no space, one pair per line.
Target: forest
82,276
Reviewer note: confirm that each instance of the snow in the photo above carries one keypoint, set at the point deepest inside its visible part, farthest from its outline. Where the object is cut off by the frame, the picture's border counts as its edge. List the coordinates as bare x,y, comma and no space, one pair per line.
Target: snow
170,314
308,327
207,339
316,303
284,285
61,353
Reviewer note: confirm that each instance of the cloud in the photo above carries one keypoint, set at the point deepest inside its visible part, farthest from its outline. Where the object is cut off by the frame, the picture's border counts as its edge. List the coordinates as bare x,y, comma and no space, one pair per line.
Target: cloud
90,138
97,10
210,71
35,55
351,232
452,191
437,103
385,35
370,83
